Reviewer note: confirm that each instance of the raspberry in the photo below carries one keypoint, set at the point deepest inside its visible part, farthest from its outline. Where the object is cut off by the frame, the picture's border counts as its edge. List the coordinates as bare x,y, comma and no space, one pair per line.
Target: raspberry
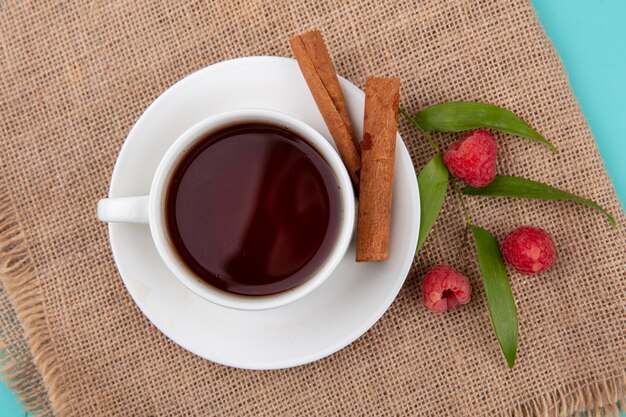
529,250
473,158
445,288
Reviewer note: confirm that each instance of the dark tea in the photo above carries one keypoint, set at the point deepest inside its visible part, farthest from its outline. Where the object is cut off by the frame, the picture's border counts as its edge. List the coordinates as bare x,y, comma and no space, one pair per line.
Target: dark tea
253,209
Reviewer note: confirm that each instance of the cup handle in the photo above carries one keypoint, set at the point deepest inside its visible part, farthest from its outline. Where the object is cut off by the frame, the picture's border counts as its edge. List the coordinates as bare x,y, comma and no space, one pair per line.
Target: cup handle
124,210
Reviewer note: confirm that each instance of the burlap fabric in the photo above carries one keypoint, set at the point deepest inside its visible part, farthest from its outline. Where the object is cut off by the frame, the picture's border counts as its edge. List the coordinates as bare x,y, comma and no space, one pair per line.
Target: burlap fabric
74,77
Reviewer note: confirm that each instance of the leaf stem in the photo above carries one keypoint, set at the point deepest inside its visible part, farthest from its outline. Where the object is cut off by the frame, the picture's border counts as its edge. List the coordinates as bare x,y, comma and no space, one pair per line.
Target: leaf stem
459,194
424,133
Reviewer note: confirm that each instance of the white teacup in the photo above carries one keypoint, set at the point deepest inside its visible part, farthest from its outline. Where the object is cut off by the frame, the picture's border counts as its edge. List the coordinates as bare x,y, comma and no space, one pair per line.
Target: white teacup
150,209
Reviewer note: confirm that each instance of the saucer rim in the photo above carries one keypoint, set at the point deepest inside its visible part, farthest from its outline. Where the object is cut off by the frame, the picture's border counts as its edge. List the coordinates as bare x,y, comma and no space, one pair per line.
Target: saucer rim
359,330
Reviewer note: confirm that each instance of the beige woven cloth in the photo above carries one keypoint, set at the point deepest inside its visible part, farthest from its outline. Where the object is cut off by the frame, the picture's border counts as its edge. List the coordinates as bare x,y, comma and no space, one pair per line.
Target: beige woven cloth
75,75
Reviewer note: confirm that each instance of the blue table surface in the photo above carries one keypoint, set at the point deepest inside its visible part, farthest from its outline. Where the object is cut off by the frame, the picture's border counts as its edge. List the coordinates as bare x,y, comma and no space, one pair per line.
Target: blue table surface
589,36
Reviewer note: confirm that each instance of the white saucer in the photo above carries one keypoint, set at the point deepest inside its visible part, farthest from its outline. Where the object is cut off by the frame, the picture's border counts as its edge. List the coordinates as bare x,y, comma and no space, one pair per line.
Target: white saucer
325,321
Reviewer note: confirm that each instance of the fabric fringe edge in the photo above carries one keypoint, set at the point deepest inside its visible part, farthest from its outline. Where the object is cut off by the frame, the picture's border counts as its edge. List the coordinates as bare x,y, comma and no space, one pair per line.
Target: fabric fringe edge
18,276
589,399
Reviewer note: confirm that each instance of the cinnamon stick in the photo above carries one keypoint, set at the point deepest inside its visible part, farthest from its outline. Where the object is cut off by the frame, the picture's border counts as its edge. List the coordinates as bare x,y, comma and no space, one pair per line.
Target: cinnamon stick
319,73
377,160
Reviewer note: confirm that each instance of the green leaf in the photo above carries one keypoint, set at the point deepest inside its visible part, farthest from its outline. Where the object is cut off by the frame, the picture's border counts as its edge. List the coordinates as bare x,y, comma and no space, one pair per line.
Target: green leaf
458,116
499,295
517,187
433,184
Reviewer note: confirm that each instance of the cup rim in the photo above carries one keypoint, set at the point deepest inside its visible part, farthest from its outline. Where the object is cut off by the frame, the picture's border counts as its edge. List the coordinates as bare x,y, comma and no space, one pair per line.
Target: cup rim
185,142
